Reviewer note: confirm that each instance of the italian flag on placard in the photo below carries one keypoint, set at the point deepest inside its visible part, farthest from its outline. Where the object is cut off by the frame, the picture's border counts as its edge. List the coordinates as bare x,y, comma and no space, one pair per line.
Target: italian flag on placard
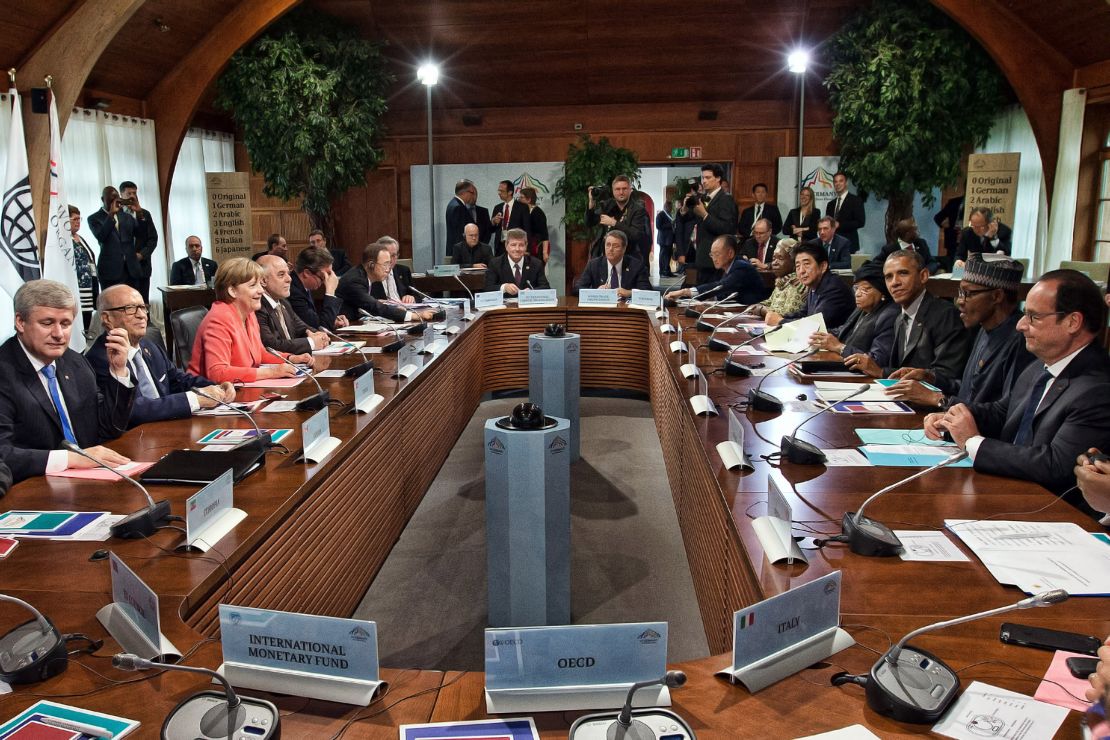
747,620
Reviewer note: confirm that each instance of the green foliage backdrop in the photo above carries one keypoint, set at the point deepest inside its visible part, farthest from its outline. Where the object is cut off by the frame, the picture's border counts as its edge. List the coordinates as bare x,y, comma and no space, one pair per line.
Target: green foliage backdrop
911,92
309,96
590,163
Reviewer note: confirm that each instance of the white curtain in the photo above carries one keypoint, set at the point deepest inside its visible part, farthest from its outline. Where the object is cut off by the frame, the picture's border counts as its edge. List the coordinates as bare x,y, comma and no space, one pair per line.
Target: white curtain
201,151
1012,133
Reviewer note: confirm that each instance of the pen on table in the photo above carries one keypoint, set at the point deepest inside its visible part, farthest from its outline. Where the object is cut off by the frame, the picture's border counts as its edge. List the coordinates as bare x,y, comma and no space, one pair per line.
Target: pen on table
66,724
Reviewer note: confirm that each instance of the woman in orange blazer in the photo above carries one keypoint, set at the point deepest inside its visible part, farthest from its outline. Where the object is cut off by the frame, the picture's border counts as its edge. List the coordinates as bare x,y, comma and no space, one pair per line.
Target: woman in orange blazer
227,346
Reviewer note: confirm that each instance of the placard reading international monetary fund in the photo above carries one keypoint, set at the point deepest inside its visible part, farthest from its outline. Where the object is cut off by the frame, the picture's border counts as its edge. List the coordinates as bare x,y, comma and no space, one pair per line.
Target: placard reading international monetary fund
579,655
326,646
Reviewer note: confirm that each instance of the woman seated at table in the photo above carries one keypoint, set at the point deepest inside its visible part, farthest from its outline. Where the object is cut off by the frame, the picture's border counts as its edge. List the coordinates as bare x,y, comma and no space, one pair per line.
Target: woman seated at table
789,294
227,346
869,329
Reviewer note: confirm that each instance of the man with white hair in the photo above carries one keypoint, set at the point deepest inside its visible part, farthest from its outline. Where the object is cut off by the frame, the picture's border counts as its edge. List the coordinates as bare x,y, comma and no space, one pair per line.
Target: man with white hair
279,326
397,285
49,394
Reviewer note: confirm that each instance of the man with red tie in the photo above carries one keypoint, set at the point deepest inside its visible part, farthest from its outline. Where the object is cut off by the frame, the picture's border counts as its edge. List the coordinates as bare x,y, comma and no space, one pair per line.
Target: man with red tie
515,270
508,214
760,247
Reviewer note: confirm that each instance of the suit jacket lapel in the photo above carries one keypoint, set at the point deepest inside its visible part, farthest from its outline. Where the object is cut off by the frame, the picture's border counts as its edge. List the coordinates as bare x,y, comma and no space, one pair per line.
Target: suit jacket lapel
38,392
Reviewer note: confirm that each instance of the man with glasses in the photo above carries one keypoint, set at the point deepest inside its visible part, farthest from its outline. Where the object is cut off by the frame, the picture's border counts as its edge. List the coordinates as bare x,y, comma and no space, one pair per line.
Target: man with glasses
50,394
355,289
736,276
313,272
987,300
397,285
928,333
164,392
759,249
279,326
193,269
1059,406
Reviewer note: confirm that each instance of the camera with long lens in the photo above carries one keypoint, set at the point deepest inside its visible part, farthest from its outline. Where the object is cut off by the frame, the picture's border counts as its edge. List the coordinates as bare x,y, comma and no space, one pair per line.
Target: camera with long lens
602,193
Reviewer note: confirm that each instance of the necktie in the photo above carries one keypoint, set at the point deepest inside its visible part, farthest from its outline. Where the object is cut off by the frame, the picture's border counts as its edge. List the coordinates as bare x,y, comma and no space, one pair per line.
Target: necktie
198,272
904,328
614,281
762,253
1025,428
281,322
391,288
516,273
146,383
505,216
56,399
839,202
759,212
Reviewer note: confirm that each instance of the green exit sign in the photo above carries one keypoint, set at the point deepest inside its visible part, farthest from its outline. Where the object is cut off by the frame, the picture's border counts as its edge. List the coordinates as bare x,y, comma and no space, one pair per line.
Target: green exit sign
678,153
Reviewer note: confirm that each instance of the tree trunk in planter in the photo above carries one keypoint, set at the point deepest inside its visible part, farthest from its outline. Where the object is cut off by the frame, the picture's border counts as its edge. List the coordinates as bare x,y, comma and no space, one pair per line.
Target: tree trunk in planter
898,207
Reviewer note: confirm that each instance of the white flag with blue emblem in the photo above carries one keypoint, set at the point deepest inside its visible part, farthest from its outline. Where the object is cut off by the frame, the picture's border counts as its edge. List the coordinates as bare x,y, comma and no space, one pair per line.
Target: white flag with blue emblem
57,258
19,248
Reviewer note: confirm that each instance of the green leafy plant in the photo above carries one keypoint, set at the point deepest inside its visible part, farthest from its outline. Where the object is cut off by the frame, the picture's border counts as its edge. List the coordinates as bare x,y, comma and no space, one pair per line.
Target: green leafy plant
590,163
309,96
911,93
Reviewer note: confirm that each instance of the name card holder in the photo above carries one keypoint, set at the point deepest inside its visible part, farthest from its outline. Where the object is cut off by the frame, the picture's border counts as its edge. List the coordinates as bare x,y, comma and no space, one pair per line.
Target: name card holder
132,618
317,439
210,514
366,400
784,634
666,328
316,657
647,300
679,346
537,298
409,363
489,300
556,669
689,371
774,530
701,403
732,449
598,297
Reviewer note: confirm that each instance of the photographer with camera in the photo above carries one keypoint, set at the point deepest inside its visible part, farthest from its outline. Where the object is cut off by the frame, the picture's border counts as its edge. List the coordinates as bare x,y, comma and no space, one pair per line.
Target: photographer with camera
114,229
619,210
714,214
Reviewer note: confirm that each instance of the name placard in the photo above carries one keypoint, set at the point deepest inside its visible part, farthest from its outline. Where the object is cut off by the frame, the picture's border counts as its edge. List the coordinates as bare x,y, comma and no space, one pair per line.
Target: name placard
318,427
307,643
488,299
537,297
597,297
579,655
136,600
776,623
207,505
366,398
646,299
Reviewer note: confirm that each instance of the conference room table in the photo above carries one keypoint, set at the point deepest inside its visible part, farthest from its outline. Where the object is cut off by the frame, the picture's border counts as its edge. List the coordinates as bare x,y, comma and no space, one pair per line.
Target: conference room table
315,536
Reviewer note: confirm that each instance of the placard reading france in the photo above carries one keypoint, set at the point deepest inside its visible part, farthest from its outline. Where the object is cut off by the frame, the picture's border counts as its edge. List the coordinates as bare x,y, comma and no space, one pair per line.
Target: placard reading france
229,214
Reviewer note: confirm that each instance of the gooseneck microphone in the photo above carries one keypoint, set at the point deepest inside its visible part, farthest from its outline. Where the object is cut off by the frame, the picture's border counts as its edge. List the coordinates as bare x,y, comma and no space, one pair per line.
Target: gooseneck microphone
468,292
353,371
392,347
720,345
913,685
737,369
761,401
868,537
691,312
704,325
141,523
801,452
261,442
333,335
33,651
316,401
670,302
210,714
637,725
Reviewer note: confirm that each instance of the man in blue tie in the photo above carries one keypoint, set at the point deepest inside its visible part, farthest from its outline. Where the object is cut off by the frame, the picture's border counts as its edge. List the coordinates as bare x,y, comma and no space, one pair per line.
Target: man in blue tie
50,394
615,269
1059,405
164,392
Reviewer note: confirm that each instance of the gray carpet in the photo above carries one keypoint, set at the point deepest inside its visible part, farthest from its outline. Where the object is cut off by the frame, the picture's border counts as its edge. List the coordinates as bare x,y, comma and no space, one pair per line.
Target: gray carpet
628,563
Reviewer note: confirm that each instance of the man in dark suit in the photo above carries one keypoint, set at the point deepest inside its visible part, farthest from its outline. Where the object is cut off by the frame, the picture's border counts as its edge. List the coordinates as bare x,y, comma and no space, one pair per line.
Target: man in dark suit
760,247
194,269
928,332
664,237
146,234
276,245
984,233
463,209
847,209
313,272
905,237
1060,404
340,264
828,294
760,209
354,289
114,229
471,251
714,215
397,285
49,393
278,324
838,248
615,269
737,275
624,211
987,301
516,218
162,390
515,270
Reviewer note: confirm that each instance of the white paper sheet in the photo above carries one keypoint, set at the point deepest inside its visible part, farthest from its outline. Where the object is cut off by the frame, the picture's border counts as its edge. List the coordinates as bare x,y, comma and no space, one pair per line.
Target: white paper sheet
280,407
337,373
794,335
852,732
985,711
845,458
928,545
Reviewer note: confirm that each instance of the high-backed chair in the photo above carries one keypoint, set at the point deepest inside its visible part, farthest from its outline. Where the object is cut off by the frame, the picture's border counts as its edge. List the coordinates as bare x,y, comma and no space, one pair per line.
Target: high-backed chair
858,260
1097,271
185,323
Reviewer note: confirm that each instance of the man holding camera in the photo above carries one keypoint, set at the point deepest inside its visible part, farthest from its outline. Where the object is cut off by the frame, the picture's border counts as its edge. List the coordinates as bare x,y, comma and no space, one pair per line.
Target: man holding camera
114,229
620,211
146,234
714,213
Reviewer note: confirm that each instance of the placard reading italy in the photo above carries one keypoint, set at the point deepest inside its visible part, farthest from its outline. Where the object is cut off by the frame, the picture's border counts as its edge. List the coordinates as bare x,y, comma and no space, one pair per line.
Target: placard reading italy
229,214
992,182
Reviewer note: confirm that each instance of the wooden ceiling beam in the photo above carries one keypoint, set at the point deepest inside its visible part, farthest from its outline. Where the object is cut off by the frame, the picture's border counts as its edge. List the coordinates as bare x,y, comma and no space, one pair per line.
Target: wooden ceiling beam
175,99
1036,70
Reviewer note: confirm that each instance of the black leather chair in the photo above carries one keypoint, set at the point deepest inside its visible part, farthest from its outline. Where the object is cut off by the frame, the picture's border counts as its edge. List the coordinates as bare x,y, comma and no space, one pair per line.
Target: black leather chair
185,323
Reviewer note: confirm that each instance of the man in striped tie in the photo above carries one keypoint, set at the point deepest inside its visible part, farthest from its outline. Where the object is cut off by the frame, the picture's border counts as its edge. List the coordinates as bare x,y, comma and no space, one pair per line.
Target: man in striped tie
1060,404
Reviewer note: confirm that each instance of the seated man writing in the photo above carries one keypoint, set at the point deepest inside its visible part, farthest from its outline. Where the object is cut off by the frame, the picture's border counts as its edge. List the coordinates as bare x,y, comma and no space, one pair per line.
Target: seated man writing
735,275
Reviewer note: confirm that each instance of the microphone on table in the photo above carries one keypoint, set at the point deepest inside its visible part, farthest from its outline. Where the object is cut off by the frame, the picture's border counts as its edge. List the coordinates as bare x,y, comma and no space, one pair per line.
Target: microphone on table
629,725
912,685
737,369
868,537
670,302
353,371
691,312
800,452
316,401
704,325
441,313
468,292
392,347
333,335
210,714
720,345
32,652
261,442
141,523
761,401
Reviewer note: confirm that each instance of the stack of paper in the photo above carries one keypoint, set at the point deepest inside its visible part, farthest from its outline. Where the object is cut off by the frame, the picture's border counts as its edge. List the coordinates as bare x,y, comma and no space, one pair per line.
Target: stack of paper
794,335
338,348
911,456
58,525
830,392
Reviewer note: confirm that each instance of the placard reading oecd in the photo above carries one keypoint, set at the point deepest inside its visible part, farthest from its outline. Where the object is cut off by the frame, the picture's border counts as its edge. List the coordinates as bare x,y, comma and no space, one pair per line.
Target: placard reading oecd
579,655
537,297
325,646
597,297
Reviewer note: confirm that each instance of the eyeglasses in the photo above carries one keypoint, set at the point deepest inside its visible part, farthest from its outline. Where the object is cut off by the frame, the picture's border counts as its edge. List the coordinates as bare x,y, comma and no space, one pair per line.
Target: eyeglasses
1033,317
131,309
963,295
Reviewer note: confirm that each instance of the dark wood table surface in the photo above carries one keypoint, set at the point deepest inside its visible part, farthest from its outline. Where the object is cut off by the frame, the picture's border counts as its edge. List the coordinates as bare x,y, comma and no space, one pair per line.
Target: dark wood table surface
294,551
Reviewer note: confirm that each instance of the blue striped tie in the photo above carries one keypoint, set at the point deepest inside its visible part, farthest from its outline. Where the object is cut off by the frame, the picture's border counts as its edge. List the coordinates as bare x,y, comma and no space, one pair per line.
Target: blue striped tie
56,397
1025,428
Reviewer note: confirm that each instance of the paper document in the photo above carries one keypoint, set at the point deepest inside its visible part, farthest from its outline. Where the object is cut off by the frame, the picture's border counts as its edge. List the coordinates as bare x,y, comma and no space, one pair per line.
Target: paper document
234,436
832,392
852,732
988,711
910,456
336,373
225,411
794,335
914,436
98,530
871,407
338,348
280,407
843,458
1059,687
929,545
273,383
130,469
